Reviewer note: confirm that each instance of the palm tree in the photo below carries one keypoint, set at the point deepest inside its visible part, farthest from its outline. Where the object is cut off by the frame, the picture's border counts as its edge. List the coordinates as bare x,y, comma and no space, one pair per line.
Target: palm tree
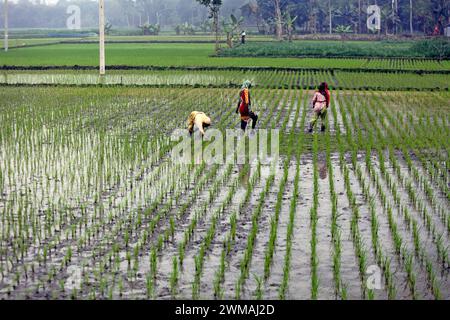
278,20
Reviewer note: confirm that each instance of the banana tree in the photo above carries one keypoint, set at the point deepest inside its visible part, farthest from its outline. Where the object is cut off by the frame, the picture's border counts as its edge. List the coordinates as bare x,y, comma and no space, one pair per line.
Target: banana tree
343,31
231,27
289,22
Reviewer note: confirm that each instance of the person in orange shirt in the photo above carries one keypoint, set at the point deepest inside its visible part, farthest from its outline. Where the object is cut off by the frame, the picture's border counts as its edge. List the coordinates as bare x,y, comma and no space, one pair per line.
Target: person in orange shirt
244,106
200,119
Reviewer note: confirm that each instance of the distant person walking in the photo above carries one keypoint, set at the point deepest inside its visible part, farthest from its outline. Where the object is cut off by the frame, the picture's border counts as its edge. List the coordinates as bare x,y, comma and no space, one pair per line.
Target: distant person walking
320,104
243,34
200,119
244,106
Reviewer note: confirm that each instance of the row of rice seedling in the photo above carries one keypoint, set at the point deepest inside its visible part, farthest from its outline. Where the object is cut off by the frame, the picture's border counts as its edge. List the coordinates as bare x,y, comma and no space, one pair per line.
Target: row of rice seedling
270,248
391,186
408,257
263,79
313,223
423,183
382,259
290,230
136,225
248,252
74,234
190,231
339,285
226,78
390,81
358,241
418,202
191,228
211,232
404,64
292,205
398,241
182,209
230,239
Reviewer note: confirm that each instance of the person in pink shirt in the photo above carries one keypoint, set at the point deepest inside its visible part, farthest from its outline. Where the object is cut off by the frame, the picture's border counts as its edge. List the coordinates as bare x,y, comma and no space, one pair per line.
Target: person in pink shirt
320,104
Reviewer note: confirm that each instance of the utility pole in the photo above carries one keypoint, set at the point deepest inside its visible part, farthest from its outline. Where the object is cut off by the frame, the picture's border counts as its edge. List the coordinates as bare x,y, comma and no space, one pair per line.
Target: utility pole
6,24
330,17
101,26
359,16
411,17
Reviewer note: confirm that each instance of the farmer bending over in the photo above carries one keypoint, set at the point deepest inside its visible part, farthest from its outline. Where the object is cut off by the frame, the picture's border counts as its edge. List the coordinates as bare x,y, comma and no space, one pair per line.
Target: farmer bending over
200,119
244,106
320,104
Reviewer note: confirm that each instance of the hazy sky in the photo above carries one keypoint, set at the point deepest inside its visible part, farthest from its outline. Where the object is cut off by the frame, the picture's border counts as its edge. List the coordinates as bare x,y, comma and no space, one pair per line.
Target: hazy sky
38,1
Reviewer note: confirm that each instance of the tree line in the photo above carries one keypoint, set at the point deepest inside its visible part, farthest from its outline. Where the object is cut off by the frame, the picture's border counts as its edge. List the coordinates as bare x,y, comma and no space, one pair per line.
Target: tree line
277,17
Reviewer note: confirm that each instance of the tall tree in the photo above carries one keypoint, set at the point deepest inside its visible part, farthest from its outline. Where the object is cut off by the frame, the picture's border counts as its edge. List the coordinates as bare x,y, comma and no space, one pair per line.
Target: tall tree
330,17
278,20
214,8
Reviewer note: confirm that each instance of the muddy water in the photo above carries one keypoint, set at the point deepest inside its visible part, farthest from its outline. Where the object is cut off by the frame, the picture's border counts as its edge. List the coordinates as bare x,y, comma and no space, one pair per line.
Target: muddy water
441,228
262,238
300,278
349,264
300,274
271,286
405,232
243,228
428,240
386,241
290,123
364,224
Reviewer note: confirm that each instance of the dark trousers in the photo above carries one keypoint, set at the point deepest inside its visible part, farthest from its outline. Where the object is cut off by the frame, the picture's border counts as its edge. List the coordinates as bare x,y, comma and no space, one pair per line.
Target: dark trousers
254,118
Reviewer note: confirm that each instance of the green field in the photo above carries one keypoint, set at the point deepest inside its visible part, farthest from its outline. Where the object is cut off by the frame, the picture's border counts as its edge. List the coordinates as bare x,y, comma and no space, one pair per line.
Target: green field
93,207
93,204
175,54
20,42
436,48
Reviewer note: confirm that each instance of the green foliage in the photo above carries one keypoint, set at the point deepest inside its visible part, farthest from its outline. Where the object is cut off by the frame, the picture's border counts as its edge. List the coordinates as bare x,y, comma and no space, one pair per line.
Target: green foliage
436,48
383,49
150,29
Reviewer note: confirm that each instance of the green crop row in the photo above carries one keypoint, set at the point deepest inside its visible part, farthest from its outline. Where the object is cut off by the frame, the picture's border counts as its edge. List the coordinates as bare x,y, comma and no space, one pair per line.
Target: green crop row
233,79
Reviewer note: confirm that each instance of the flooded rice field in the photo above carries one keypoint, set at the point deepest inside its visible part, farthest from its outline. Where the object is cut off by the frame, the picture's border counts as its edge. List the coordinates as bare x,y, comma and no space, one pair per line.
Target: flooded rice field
93,206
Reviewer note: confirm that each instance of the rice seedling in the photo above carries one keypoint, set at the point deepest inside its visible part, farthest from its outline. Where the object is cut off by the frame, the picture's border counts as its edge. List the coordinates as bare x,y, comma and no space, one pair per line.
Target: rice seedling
86,179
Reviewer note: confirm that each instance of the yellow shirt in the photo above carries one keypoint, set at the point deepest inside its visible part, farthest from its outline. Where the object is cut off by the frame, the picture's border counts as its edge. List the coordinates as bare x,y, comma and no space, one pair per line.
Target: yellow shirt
198,118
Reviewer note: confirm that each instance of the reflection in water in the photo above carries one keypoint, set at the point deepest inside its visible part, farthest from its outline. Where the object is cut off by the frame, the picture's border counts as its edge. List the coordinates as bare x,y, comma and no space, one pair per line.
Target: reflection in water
323,169
245,177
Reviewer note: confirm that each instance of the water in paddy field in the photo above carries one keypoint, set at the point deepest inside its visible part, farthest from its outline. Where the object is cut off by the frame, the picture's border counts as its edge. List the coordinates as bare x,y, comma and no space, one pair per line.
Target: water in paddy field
97,210
134,285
